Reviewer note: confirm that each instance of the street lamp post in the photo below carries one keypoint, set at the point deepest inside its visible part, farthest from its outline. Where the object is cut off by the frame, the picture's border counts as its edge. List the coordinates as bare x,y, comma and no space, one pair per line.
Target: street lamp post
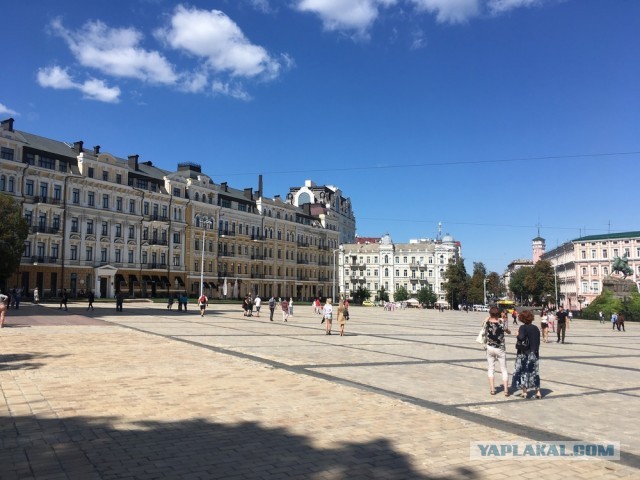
581,299
335,270
555,280
205,223
485,291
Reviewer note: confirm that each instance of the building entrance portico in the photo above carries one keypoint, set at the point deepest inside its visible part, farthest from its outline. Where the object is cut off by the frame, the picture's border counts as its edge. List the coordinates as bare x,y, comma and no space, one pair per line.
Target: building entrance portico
105,277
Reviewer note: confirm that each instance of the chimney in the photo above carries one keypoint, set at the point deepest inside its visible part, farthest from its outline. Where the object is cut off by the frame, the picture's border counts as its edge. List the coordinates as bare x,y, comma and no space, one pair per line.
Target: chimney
96,149
7,124
259,186
133,162
248,193
77,146
224,186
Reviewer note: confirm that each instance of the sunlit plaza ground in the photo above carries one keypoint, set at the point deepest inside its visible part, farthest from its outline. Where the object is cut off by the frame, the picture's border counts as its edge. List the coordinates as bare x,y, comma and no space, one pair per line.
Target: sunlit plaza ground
152,393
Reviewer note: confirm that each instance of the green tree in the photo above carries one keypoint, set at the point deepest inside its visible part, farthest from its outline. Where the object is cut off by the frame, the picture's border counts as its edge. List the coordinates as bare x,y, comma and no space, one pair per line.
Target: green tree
456,283
13,233
383,295
517,283
476,284
426,295
361,294
401,294
495,288
539,282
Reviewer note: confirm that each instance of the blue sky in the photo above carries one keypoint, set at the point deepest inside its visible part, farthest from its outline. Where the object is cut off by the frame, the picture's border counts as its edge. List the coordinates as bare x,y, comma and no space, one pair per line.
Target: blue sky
494,117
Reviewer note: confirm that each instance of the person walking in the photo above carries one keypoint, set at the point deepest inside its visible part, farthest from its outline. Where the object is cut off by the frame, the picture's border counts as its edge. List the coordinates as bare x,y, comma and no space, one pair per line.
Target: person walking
514,315
495,328
4,301
601,316
272,307
614,320
170,302
327,315
119,301
343,315
284,305
91,298
526,374
544,326
203,303
620,322
258,303
36,296
63,300
290,307
561,316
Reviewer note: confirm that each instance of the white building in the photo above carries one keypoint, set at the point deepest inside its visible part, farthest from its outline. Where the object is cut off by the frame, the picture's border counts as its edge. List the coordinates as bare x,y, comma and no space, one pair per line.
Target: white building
377,263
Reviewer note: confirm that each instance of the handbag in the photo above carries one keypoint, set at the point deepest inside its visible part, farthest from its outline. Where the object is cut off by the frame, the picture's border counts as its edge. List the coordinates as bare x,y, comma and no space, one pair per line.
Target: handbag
482,336
522,345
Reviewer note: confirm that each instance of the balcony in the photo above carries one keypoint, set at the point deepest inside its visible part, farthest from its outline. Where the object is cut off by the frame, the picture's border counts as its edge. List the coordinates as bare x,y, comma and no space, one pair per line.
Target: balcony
258,237
155,266
303,278
226,254
156,218
302,244
257,275
43,229
155,241
39,199
257,257
226,233
38,259
301,261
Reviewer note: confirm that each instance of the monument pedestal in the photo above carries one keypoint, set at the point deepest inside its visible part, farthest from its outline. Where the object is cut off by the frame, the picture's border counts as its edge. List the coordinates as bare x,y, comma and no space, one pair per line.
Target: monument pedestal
621,287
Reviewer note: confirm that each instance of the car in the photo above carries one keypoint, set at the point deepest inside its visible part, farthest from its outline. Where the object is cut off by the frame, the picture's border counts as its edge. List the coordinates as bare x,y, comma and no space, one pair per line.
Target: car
368,303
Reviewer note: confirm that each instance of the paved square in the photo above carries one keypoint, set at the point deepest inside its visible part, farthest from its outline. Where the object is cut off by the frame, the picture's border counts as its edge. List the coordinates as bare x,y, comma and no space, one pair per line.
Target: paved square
174,395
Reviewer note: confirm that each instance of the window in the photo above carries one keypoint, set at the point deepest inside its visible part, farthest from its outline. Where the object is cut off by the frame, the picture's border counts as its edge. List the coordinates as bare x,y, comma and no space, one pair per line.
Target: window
105,201
74,252
118,255
604,253
595,286
105,175
75,196
176,237
583,254
404,260
605,270
132,206
584,270
55,250
3,183
6,153
386,259
44,190
90,172
132,234
176,260
118,178
103,255
176,192
29,188
91,197
118,231
397,273
105,228
386,272
89,254
89,227
74,225
11,180
594,270
119,204
145,208
593,254
130,256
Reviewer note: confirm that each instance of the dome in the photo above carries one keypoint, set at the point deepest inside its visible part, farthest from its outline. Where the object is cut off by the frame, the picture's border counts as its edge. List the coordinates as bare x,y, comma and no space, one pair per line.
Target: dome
448,239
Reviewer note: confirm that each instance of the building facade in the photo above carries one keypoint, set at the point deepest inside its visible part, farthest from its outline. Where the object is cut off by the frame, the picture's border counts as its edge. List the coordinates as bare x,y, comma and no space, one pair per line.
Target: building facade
582,264
102,223
377,263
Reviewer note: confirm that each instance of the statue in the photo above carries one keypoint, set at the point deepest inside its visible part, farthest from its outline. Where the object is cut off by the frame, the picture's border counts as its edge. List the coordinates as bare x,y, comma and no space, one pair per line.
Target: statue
621,265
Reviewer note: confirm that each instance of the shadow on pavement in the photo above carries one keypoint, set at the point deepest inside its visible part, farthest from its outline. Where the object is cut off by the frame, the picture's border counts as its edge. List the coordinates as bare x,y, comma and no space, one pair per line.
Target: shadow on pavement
23,361
91,447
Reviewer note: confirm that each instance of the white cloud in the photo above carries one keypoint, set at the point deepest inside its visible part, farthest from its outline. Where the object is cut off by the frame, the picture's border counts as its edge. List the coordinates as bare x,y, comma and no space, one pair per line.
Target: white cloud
93,89
449,11
356,15
501,6
116,52
216,38
230,90
4,110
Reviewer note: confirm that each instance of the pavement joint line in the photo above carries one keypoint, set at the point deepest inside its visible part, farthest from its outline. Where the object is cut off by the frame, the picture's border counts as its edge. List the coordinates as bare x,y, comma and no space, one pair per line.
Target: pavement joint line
533,433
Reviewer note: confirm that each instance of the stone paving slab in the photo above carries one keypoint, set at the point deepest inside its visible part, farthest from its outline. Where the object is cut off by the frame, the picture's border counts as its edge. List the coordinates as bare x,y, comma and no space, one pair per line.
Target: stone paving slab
174,395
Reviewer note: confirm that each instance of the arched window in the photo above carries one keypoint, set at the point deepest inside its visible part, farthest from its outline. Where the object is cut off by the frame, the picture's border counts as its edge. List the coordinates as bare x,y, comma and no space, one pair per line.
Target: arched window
386,259
3,183
386,272
197,196
304,198
10,189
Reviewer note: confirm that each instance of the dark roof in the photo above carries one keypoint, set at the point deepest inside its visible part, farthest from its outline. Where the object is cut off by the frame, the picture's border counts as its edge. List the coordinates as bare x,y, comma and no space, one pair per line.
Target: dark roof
47,145
608,236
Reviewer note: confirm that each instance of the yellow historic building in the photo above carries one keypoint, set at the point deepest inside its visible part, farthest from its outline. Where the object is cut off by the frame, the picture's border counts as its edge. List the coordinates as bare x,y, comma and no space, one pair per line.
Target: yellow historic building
108,224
